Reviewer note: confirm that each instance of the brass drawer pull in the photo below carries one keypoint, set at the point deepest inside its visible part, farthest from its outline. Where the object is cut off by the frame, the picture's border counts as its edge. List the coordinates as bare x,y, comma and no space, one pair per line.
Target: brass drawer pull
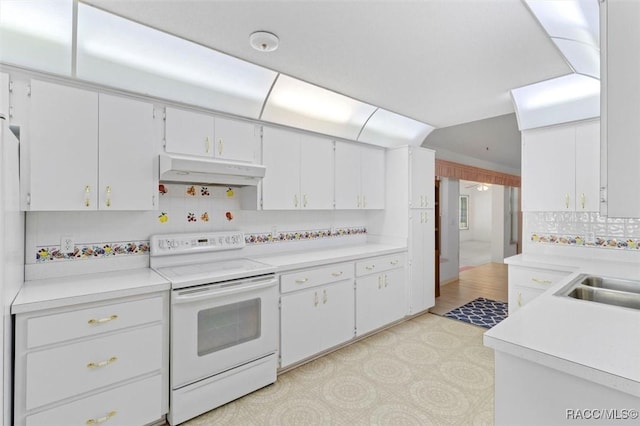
337,274
302,280
102,363
540,281
99,420
370,268
394,262
94,321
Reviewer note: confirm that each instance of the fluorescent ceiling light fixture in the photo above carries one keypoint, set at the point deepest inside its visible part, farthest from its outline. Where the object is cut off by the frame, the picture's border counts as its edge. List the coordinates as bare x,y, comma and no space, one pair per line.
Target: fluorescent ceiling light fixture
388,129
44,19
571,19
584,58
113,39
556,91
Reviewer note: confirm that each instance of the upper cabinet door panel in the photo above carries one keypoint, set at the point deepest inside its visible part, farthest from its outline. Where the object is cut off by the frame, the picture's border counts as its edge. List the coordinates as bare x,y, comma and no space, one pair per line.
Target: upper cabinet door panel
127,176
316,173
422,169
237,140
372,178
281,157
189,132
548,169
63,147
587,166
347,176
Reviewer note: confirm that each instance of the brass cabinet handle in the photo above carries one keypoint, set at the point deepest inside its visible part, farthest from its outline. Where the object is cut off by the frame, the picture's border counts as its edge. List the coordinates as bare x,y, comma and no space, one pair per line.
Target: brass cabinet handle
87,192
94,321
207,145
108,200
295,200
99,420
220,146
379,282
394,262
102,363
315,299
336,274
566,200
386,280
370,268
301,280
364,201
358,201
519,299
582,200
304,200
540,281
324,296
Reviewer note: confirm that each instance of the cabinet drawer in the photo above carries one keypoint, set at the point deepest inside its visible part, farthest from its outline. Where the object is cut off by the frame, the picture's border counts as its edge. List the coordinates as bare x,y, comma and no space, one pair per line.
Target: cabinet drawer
69,370
92,321
137,403
380,264
535,277
520,296
316,276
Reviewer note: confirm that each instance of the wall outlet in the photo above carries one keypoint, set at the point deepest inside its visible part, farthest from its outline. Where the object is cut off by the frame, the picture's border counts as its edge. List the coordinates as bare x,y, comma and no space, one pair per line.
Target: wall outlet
67,245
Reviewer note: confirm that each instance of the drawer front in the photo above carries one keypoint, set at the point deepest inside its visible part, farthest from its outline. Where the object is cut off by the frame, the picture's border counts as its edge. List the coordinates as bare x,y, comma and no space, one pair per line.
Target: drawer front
312,277
380,264
64,326
69,370
535,277
137,403
520,296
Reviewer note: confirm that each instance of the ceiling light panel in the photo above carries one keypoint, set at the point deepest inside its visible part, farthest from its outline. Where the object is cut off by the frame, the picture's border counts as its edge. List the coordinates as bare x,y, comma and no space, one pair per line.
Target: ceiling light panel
295,103
121,53
388,129
37,34
569,98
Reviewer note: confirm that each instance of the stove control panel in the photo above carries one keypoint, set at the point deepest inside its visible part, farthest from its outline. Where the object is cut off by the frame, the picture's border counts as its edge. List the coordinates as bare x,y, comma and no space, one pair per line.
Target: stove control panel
166,244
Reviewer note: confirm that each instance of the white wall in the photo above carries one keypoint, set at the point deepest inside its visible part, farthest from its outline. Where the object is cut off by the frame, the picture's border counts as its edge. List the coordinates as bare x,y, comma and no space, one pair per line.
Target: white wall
501,246
449,232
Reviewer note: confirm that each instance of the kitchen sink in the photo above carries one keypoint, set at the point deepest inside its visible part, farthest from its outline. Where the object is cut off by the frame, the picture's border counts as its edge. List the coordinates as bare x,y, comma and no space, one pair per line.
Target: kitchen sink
610,291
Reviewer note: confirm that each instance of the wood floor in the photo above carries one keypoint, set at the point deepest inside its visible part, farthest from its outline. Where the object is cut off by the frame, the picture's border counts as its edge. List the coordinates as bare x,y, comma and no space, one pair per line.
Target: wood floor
488,280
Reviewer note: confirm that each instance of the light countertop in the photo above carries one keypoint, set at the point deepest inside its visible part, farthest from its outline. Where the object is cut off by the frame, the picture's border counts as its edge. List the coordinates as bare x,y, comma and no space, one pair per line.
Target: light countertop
598,342
63,291
310,258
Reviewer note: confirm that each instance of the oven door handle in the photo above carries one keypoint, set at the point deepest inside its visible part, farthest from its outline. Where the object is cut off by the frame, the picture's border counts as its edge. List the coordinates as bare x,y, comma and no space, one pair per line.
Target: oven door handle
190,295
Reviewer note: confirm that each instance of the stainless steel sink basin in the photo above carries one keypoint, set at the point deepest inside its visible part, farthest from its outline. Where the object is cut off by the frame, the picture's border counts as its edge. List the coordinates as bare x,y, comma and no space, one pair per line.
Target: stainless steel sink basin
610,291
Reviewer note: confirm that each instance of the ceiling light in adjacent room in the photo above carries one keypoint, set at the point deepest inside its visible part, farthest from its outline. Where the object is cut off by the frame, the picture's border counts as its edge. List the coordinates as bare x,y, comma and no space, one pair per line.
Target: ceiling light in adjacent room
264,41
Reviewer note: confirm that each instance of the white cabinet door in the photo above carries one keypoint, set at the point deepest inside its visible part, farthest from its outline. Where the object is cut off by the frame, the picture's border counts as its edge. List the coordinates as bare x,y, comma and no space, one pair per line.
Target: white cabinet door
347,176
281,157
63,148
394,295
316,173
127,177
422,176
620,42
237,140
372,177
299,326
422,256
337,319
587,196
380,300
548,169
189,132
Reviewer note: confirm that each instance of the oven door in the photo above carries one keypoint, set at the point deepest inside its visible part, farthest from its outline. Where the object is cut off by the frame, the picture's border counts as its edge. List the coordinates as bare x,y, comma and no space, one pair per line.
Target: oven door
220,326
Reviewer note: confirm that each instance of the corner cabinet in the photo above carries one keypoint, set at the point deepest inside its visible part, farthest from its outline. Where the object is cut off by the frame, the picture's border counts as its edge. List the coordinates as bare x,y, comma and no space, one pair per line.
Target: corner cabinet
380,292
91,152
559,168
316,311
359,176
90,363
620,107
299,171
195,133
527,283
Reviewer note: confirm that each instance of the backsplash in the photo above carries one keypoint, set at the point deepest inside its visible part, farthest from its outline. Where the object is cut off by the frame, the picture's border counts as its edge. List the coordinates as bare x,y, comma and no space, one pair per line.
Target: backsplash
583,229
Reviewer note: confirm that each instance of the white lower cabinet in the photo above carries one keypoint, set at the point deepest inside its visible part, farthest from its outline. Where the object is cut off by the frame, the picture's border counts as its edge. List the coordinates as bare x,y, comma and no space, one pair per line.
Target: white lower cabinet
525,284
317,316
380,292
98,362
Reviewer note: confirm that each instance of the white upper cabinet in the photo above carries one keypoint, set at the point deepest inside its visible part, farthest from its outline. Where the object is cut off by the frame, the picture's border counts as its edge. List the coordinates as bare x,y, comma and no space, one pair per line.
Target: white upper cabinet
90,152
422,169
62,140
560,167
620,108
359,176
195,133
299,171
127,177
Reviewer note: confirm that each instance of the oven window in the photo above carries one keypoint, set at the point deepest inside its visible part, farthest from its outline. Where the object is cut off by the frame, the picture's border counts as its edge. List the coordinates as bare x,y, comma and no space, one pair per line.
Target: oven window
229,325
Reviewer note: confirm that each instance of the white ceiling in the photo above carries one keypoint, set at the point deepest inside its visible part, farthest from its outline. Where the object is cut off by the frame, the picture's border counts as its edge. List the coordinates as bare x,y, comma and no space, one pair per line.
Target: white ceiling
443,62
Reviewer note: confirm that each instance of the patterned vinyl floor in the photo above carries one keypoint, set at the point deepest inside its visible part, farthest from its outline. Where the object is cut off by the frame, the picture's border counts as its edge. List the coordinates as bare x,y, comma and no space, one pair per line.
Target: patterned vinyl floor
427,371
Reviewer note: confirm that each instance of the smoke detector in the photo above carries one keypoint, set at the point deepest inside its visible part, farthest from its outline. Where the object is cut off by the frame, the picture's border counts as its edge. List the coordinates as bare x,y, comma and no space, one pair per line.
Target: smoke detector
264,41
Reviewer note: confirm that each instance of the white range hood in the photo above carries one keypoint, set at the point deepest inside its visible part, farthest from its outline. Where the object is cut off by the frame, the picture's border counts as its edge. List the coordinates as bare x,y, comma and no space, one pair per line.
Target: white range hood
208,171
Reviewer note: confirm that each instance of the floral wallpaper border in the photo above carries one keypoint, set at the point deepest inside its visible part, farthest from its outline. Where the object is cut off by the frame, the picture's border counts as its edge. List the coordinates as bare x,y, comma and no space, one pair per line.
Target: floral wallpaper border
92,251
268,237
578,240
